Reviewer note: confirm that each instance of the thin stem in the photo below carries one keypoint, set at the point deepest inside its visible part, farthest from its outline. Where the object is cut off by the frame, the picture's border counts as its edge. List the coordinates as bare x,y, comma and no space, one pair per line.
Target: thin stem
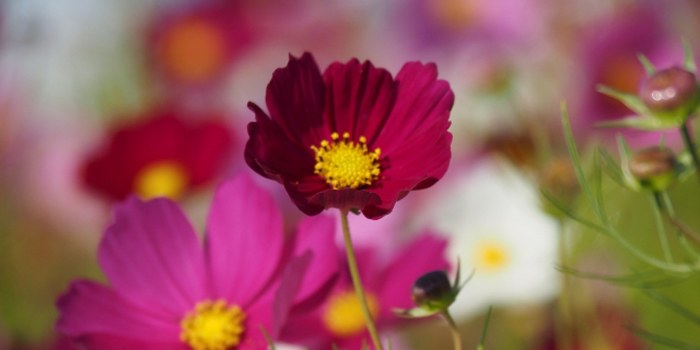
457,340
354,272
691,148
486,327
683,230
655,200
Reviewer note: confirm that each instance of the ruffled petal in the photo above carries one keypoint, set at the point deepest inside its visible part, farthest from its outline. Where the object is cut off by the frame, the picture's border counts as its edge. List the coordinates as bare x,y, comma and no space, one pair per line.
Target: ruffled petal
152,256
425,254
422,100
244,240
90,309
295,100
271,154
359,99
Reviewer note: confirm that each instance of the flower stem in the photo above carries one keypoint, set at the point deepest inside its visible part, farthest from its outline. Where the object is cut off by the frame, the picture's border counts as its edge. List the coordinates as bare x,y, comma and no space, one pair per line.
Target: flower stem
453,329
354,272
691,148
486,327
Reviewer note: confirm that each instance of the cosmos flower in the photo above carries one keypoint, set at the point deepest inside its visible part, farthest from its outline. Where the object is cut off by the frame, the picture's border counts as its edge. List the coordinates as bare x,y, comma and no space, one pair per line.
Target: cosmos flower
339,319
353,137
195,43
167,291
495,224
160,156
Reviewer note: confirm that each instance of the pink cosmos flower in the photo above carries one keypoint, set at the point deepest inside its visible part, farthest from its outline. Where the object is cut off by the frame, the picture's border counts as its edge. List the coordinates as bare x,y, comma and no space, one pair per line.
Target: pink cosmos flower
169,291
339,320
354,137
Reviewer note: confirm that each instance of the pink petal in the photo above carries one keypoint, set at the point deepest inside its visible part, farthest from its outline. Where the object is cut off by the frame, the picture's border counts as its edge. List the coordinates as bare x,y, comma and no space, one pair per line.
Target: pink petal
295,99
151,255
359,98
258,317
317,235
244,240
111,342
89,308
425,254
421,101
288,290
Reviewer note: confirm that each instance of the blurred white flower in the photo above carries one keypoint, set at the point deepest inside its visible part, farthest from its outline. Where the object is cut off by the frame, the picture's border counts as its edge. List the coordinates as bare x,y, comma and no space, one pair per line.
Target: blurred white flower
496,227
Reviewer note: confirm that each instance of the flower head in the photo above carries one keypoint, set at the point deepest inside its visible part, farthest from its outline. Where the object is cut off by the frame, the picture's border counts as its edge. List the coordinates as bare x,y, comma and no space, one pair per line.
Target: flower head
168,291
339,320
354,137
161,156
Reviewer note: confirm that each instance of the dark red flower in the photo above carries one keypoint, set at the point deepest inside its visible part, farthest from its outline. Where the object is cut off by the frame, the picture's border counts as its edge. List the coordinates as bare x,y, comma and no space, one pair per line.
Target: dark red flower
162,155
353,137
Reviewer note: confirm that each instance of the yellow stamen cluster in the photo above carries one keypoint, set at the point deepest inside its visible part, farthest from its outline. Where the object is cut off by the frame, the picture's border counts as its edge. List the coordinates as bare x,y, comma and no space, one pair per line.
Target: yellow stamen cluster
161,179
491,256
343,315
213,326
346,164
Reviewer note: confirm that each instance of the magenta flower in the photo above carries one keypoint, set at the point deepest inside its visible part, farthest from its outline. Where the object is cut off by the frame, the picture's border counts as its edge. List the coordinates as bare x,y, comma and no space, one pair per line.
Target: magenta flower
168,291
339,320
353,137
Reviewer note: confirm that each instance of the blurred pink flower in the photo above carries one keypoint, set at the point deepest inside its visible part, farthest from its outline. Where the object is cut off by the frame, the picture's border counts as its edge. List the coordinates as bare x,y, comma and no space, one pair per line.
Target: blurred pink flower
608,56
169,292
339,320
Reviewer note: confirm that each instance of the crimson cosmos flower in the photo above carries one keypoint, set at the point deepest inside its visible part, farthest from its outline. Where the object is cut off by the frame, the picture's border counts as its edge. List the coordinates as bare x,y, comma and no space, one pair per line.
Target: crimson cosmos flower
354,137
163,155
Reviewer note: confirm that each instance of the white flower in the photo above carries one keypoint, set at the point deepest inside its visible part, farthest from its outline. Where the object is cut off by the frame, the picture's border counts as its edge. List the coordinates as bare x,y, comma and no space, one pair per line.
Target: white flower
495,224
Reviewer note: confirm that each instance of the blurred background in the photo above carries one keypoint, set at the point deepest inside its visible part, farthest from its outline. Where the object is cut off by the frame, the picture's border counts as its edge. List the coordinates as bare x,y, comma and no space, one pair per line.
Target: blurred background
102,98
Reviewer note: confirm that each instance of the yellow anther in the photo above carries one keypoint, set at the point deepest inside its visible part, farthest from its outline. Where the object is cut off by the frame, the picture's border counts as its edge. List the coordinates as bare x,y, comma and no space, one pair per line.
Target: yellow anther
161,179
213,326
346,164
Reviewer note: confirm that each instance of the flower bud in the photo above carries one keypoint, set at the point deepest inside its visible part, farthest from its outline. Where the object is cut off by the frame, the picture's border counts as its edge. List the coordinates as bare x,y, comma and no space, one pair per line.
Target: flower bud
433,291
654,167
670,91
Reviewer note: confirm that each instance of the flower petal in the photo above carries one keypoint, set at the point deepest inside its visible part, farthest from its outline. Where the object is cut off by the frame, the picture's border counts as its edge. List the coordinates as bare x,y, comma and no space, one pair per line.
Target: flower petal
359,98
317,235
111,342
295,99
244,240
421,101
151,255
345,199
89,308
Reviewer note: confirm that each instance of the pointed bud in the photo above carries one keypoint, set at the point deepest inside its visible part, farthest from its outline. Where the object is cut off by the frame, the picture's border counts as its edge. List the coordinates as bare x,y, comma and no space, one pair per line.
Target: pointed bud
654,167
670,91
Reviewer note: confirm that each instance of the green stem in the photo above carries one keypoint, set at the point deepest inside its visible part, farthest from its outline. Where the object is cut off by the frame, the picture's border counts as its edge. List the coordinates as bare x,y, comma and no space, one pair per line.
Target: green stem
457,340
486,327
655,200
682,229
354,272
691,148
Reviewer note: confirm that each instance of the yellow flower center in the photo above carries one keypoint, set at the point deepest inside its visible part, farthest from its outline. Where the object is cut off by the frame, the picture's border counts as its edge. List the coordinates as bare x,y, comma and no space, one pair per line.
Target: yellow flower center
161,179
346,164
193,50
491,256
343,315
213,326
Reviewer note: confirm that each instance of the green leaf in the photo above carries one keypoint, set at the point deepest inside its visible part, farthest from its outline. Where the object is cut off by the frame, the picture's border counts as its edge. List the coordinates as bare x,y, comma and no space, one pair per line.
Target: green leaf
573,215
689,61
648,66
654,338
638,122
613,169
632,101
673,306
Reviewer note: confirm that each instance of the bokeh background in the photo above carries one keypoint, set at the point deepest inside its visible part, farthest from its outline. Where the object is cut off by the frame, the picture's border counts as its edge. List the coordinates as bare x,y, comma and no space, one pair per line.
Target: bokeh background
74,74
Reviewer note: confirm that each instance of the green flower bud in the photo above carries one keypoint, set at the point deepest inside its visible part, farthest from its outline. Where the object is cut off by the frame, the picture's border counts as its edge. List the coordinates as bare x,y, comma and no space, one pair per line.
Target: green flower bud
433,291
670,92
654,167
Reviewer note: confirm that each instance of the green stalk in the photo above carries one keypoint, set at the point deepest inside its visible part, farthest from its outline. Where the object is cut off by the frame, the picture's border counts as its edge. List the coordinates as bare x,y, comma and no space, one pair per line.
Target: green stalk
691,148
457,340
486,327
354,272
655,200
